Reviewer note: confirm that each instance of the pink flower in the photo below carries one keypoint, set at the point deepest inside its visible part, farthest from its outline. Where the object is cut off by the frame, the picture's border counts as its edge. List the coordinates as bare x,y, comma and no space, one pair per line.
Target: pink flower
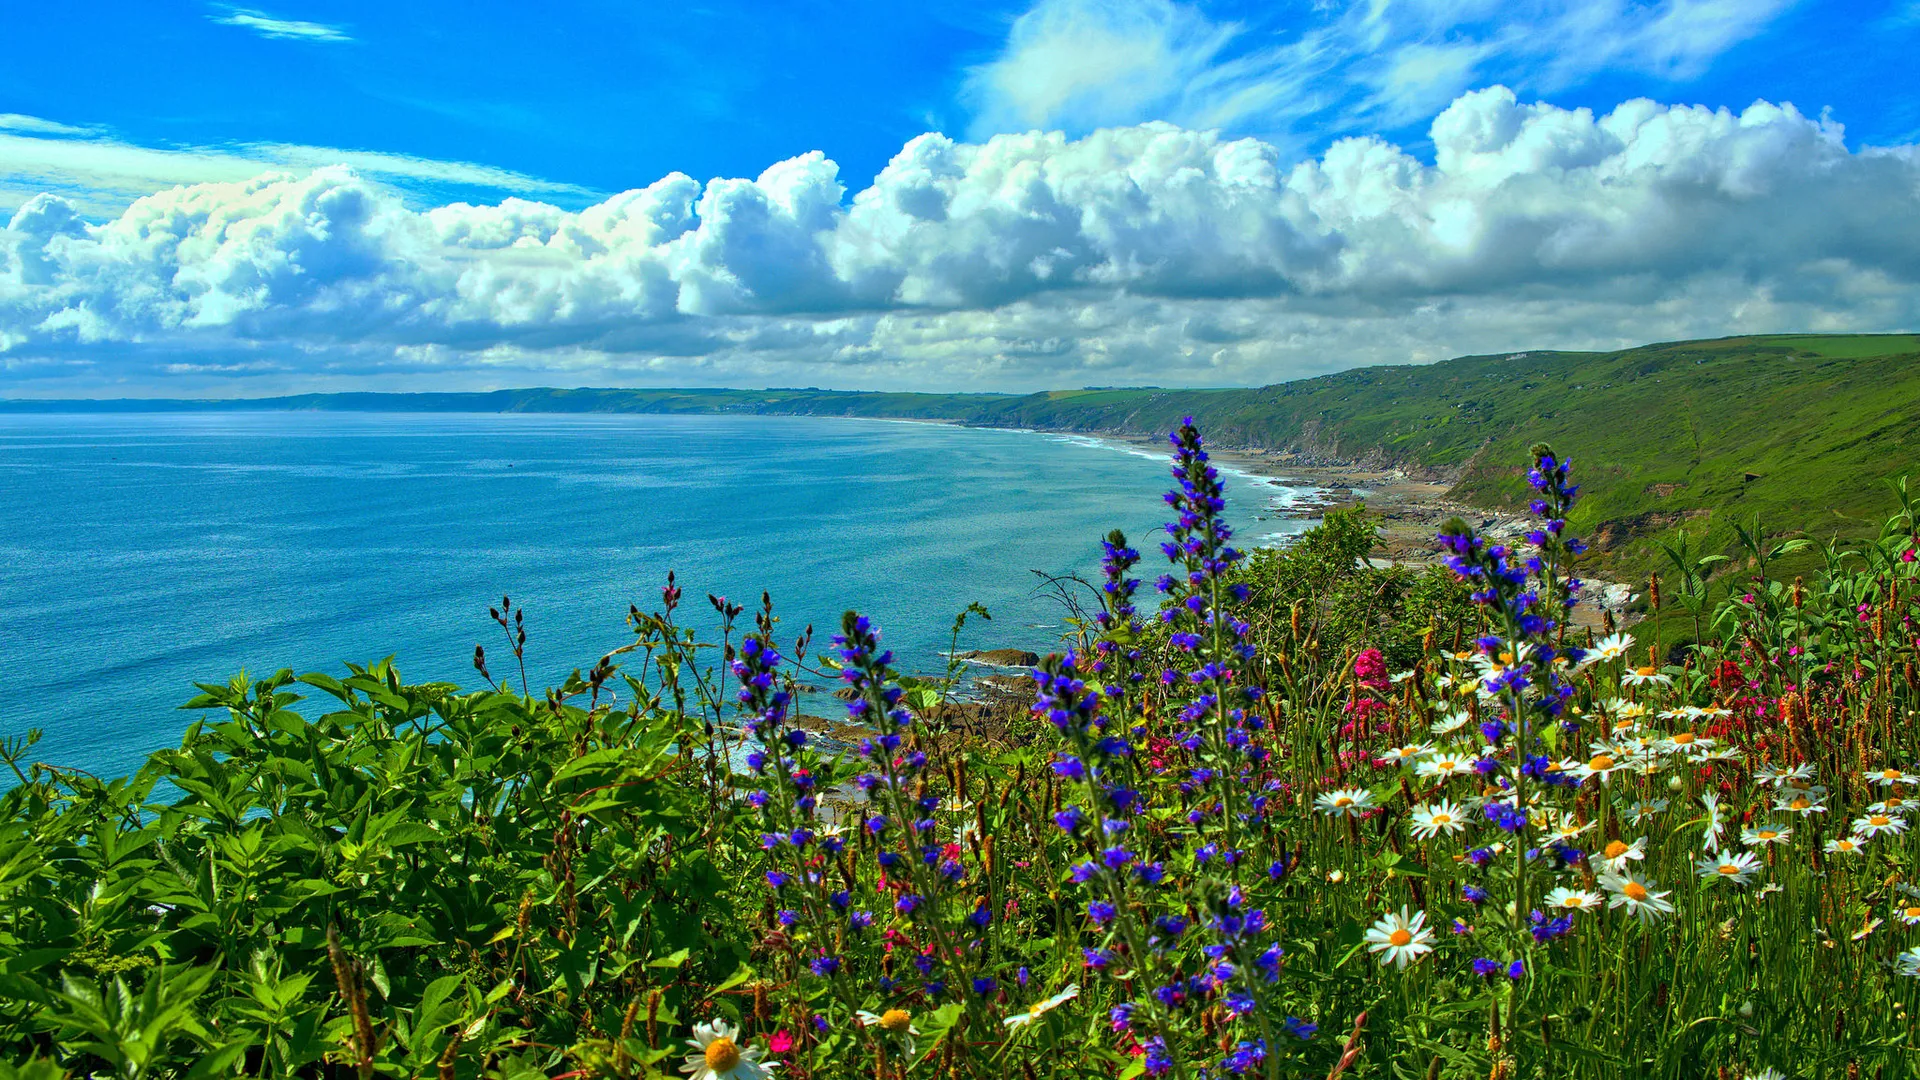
1371,668
1910,554
781,1042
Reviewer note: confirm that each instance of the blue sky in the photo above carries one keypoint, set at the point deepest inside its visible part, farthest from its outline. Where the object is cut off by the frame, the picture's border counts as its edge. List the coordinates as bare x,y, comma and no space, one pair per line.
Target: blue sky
1459,124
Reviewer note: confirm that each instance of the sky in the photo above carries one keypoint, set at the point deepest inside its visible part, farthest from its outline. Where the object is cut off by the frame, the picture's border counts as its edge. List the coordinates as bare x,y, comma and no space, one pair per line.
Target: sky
214,200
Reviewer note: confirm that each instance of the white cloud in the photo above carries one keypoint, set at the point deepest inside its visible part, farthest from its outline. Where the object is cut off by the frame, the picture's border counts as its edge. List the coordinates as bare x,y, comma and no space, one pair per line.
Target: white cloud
35,125
102,175
1151,253
1082,64
267,26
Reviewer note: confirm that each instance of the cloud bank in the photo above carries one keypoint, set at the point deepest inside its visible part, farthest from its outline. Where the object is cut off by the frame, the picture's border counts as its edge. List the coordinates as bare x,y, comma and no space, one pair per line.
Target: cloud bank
1150,253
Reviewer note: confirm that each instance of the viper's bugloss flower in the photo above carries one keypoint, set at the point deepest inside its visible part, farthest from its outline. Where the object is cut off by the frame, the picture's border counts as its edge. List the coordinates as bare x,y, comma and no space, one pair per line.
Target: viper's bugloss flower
1545,929
1155,1059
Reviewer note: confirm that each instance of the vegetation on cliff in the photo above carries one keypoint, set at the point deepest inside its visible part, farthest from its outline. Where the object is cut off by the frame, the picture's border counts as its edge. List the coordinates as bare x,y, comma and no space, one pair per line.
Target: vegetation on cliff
1287,816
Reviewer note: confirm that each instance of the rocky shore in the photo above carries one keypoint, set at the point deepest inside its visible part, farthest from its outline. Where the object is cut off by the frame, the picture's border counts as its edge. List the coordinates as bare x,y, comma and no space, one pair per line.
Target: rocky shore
1409,508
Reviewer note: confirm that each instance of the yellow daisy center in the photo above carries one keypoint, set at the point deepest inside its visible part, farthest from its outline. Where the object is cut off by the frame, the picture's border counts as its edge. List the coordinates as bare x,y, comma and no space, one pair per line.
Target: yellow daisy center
1573,902
1634,891
895,1021
1443,819
722,1055
1890,774
1616,849
1400,937
1342,800
1878,820
1728,868
1766,834
1843,845
1683,738
1600,763
1800,803
1643,671
1912,913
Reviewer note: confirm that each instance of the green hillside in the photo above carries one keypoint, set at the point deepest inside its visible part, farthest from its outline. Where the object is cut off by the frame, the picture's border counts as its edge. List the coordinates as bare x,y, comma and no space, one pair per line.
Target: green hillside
1799,429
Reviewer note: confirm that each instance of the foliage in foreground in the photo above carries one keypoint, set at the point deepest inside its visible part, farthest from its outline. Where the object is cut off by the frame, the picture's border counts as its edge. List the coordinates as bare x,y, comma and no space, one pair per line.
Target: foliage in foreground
1266,834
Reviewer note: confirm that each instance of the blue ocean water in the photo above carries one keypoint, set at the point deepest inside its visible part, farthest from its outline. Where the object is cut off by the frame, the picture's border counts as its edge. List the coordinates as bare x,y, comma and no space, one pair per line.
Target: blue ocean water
144,552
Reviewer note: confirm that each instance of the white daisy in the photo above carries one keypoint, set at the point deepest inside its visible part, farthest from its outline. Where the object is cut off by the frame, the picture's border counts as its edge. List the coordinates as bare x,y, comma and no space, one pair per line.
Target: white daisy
1043,1007
1890,776
1846,845
1618,853
1732,867
1872,825
717,1056
1908,913
895,1022
1400,938
1716,823
1602,764
1773,777
1893,804
1642,812
1345,802
1443,816
1908,962
1764,834
1451,723
1645,676
1564,899
1405,755
1685,742
1445,765
1569,830
1636,895
1625,713
1610,648
1797,801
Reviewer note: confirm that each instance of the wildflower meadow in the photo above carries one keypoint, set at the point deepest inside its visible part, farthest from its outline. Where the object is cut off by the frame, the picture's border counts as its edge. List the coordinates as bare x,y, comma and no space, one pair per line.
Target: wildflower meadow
1252,825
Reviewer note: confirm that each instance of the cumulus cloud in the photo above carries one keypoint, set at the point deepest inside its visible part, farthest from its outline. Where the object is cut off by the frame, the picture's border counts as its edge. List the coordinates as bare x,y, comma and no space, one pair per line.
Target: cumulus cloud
1150,253
1078,65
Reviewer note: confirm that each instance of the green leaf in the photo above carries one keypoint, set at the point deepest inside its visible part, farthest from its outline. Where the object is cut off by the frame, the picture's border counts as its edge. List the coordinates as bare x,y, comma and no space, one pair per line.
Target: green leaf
678,957
740,975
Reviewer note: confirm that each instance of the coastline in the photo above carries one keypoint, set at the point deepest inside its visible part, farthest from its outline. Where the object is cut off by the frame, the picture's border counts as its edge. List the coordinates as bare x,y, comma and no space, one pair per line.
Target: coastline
1408,512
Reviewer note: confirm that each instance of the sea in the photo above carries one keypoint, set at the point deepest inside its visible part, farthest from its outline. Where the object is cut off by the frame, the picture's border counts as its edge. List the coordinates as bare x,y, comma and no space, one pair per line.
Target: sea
141,553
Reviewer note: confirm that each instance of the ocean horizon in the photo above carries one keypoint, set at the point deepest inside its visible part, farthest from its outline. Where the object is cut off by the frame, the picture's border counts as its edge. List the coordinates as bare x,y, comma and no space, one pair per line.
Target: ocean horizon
149,551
